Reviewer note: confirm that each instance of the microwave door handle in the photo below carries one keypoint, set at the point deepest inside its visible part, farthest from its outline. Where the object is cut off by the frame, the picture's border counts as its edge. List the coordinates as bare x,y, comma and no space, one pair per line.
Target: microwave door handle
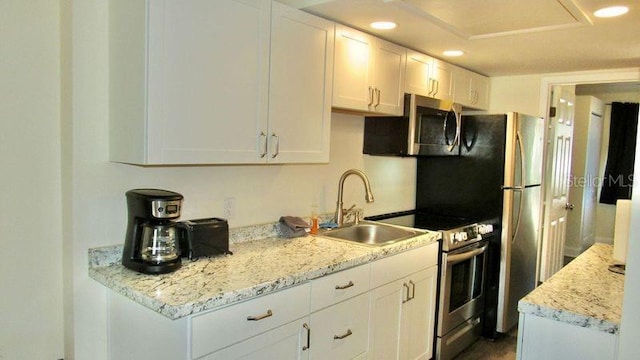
446,138
456,139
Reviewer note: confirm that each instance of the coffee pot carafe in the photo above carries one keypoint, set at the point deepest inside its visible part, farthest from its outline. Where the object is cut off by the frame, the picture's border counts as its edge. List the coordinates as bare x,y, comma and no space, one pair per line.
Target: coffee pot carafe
152,243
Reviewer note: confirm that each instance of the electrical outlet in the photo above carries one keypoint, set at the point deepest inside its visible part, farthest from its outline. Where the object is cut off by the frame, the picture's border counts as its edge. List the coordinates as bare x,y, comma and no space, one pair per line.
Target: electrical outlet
229,209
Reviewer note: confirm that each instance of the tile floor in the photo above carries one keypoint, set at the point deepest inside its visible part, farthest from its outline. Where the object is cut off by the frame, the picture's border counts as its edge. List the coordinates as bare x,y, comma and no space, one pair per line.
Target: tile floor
503,348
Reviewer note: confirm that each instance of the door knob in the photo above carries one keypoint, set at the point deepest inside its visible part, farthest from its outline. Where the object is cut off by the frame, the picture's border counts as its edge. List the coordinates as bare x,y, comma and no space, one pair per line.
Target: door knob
568,206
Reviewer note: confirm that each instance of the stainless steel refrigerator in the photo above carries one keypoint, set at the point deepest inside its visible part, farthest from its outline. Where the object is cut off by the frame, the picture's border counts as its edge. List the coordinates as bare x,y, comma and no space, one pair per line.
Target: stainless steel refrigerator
521,214
491,179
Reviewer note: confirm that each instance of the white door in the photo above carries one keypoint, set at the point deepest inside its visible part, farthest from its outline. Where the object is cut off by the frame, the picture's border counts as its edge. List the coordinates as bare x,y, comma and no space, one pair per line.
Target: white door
353,64
301,79
442,76
417,75
207,94
557,202
388,78
418,316
384,321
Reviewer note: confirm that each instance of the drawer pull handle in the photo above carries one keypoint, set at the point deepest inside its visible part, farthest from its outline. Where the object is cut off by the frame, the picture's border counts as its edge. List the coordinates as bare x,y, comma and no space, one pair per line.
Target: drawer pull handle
260,317
340,337
342,287
306,326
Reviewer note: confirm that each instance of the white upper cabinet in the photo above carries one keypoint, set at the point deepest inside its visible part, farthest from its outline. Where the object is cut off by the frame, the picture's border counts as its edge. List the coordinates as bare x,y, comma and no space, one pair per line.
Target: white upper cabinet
301,80
428,76
471,89
190,83
368,73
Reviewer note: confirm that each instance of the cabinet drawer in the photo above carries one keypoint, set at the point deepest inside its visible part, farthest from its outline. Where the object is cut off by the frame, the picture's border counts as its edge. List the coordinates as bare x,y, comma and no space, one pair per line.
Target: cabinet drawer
224,327
341,331
397,266
331,289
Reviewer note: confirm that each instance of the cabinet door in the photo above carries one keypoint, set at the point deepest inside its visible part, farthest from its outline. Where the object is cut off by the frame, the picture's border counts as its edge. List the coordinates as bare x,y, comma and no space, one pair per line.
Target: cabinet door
442,75
384,320
462,86
388,79
285,342
352,87
480,91
418,316
418,74
301,79
208,73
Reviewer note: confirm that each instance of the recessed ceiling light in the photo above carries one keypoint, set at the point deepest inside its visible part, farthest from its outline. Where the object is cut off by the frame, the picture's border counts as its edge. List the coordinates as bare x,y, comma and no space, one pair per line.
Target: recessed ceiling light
611,11
383,25
453,53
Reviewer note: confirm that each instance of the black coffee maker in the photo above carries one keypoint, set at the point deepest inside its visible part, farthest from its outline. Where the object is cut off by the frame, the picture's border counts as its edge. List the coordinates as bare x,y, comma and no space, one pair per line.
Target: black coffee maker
152,242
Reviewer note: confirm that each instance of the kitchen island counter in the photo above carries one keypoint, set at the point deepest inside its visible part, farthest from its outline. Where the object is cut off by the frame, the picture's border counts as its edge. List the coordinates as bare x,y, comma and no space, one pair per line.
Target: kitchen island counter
256,268
584,293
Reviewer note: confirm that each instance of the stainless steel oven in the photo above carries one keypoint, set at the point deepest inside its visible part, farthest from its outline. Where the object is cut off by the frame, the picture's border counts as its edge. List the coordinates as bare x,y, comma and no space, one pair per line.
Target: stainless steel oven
466,259
462,287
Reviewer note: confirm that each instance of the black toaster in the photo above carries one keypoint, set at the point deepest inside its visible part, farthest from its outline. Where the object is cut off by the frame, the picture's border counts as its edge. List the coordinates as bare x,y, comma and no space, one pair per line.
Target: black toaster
204,237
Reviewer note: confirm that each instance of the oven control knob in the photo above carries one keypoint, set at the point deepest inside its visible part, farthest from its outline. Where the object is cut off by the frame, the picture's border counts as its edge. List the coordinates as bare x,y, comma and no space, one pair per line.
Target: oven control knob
459,236
485,229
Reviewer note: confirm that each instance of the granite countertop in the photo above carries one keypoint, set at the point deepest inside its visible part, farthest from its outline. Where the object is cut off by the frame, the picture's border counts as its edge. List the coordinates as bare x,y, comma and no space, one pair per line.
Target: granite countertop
256,267
583,293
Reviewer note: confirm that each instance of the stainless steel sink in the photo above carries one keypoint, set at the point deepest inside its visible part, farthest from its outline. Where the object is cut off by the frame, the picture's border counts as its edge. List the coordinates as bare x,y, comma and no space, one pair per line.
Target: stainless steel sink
371,233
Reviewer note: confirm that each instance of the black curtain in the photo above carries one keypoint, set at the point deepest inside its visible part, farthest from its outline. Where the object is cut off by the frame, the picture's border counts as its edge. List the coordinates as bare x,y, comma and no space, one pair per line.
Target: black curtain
618,173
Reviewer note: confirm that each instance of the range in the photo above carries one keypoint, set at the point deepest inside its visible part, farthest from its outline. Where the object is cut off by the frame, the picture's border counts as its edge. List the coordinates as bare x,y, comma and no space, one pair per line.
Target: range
486,201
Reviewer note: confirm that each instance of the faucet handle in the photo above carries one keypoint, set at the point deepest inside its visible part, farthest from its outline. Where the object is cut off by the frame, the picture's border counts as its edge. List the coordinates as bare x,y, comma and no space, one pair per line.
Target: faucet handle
358,215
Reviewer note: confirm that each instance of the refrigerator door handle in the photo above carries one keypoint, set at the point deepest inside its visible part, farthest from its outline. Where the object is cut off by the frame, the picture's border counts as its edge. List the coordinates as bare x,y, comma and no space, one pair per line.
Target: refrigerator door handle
520,187
515,229
523,161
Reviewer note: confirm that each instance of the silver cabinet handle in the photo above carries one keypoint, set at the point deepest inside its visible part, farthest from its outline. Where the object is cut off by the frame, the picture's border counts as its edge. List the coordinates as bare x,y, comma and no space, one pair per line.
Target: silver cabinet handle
273,135
370,96
437,82
269,313
413,290
405,299
430,86
378,92
340,337
342,287
306,327
264,147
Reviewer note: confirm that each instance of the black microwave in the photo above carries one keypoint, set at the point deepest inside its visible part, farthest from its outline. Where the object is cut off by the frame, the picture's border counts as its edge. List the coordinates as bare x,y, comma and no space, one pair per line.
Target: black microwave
428,127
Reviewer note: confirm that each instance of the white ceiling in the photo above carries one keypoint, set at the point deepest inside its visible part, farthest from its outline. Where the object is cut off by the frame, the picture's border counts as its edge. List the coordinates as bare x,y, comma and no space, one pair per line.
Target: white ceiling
500,37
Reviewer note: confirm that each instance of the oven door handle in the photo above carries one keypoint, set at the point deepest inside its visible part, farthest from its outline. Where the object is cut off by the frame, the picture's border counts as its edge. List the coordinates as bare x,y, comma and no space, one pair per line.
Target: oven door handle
457,258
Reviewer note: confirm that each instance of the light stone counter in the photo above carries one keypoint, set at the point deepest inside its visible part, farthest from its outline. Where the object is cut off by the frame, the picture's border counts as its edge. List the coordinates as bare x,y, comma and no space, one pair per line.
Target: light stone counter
256,268
584,293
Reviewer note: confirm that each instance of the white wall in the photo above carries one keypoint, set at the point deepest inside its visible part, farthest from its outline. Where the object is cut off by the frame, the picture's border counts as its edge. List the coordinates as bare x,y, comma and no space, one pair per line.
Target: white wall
516,93
263,192
31,303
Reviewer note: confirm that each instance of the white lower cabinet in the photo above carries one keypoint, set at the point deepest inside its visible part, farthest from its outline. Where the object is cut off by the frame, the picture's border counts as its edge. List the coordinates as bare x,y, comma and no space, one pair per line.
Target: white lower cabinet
338,316
542,338
402,320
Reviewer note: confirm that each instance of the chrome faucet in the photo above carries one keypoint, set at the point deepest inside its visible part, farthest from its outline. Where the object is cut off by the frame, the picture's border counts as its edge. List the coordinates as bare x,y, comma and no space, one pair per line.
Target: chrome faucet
368,196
